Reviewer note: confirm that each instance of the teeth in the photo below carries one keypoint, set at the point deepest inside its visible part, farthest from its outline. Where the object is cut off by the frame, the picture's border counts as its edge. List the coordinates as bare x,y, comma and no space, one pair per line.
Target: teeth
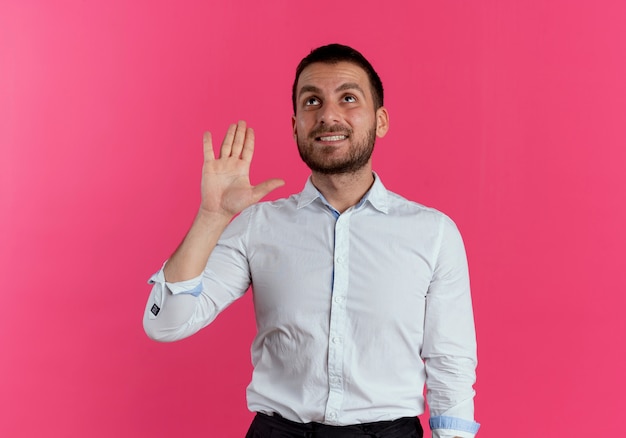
333,138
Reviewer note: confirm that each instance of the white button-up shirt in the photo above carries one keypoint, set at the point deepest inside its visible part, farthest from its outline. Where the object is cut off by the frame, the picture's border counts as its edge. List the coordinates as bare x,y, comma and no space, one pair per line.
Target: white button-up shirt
355,311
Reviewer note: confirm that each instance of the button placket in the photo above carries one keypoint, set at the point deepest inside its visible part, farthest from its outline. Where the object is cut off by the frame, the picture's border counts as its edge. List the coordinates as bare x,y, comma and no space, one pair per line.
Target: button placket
338,318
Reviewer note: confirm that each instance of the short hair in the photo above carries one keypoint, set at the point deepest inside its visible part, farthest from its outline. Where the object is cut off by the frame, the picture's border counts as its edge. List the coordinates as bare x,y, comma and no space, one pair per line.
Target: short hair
333,54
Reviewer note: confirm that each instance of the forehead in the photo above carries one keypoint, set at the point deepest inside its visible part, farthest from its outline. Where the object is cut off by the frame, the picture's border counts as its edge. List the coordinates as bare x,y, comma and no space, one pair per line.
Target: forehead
328,77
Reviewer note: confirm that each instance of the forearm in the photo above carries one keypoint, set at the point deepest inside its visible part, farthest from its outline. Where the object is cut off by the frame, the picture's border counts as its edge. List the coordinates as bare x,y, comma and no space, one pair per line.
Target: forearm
191,256
179,309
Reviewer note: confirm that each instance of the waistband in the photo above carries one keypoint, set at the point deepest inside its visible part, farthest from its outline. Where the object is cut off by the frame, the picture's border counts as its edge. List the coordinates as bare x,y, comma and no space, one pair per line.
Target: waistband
406,427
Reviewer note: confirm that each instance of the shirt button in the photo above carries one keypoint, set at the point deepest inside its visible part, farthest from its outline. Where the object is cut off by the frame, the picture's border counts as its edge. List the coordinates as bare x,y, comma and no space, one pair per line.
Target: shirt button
332,415
338,300
339,260
336,340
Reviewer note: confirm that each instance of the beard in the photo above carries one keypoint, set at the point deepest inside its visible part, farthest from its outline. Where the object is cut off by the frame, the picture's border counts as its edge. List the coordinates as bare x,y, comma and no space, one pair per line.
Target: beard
319,158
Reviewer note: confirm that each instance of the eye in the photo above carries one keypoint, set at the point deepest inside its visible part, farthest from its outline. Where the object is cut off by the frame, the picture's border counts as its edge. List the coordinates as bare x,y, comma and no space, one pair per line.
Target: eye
311,101
349,98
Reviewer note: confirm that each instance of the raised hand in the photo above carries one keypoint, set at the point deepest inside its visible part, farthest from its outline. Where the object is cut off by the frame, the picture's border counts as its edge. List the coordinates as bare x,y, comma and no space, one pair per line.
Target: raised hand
226,190
226,187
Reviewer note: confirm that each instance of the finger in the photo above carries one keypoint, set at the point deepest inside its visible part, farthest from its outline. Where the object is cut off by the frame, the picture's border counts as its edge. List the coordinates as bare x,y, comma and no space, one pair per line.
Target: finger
248,146
227,144
262,189
207,146
240,137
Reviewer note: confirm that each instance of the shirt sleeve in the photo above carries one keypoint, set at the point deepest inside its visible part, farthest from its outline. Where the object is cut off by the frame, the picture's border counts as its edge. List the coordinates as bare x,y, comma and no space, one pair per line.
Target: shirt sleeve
177,310
449,349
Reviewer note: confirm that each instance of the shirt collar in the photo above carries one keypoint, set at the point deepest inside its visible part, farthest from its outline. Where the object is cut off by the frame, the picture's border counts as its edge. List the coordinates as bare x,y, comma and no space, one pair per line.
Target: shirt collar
377,195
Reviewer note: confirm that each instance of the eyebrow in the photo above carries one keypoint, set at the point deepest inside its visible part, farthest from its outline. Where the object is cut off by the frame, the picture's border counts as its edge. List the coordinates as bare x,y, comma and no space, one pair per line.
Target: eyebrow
350,86
308,89
342,87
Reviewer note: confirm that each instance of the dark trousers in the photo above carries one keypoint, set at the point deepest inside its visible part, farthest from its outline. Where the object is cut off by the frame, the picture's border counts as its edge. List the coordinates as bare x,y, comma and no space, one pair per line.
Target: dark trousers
265,426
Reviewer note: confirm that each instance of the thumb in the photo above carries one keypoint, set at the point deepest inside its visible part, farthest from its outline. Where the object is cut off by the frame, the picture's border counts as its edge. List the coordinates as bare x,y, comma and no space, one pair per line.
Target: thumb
261,190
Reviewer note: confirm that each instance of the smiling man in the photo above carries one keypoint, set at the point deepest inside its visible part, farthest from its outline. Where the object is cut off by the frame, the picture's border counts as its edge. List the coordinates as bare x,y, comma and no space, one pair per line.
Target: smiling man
361,297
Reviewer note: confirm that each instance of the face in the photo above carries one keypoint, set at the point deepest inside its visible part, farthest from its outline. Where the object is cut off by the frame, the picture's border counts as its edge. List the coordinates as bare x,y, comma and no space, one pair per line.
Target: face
336,124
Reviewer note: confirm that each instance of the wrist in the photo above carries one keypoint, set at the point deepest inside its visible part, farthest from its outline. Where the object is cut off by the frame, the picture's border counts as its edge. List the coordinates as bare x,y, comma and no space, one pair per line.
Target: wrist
213,218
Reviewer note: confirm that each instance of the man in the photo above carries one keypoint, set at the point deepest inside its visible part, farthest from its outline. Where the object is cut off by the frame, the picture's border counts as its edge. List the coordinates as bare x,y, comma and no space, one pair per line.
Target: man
360,296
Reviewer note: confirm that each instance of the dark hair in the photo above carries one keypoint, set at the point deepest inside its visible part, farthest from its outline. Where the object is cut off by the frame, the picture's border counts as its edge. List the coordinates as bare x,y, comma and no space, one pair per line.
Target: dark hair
333,54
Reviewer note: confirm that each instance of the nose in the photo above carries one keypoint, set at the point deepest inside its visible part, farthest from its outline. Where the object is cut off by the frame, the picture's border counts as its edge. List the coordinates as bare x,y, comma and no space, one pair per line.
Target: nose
329,113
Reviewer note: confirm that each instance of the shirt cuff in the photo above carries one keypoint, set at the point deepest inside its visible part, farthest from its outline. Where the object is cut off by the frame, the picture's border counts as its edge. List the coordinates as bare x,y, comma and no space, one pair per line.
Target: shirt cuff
448,427
160,288
192,286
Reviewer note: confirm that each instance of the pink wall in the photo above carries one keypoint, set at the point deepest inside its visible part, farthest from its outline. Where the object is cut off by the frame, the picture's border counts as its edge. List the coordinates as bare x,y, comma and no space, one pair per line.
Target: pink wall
509,116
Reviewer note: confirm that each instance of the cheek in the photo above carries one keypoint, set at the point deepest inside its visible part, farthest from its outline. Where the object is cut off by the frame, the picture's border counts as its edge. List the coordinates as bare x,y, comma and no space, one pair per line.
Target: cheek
301,127
361,121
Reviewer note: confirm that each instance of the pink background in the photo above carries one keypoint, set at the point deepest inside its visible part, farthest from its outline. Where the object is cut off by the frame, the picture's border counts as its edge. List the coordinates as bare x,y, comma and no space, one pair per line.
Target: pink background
510,116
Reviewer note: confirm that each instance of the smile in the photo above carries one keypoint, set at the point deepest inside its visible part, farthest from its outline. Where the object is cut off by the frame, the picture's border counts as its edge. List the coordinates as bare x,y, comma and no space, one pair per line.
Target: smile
332,138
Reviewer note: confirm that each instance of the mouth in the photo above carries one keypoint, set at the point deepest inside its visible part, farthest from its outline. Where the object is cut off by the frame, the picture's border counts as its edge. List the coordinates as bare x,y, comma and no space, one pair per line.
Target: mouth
331,138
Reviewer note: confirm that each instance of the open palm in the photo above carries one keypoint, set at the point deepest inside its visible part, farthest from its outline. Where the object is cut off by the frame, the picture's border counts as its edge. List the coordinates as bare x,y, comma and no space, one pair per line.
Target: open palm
226,187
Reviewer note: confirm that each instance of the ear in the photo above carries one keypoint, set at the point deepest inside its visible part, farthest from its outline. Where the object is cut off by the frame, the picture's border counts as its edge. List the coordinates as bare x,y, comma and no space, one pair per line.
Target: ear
293,127
382,121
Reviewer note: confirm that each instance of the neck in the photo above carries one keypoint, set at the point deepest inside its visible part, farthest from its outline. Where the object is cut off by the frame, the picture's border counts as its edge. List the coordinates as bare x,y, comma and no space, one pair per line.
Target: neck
344,190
